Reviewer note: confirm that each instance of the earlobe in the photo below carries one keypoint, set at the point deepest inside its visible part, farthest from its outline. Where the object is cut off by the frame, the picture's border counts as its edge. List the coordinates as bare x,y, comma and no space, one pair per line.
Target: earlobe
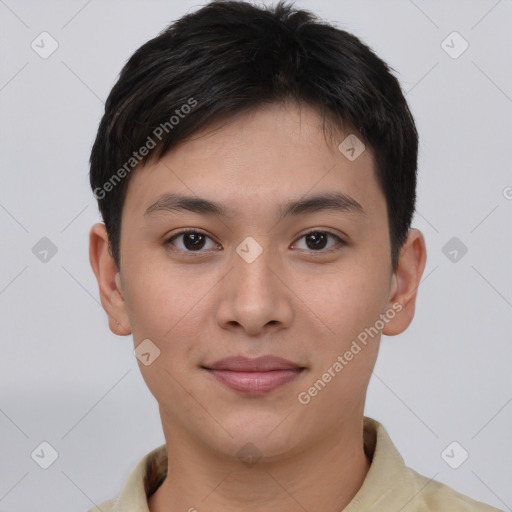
405,282
109,280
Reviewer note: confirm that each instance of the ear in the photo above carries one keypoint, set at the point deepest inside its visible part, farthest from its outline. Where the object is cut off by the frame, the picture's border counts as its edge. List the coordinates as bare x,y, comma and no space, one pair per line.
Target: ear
405,281
109,280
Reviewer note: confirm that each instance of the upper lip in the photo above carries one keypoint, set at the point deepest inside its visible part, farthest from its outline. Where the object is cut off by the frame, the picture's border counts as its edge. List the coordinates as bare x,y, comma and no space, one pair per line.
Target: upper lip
259,364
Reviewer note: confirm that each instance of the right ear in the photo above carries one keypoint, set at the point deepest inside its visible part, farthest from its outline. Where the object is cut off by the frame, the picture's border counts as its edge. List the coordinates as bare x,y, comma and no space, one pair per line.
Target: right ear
109,280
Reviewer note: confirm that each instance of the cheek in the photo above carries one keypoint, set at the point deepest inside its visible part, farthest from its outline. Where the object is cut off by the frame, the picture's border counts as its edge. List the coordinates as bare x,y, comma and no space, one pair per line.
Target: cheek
349,306
159,301
344,302
166,309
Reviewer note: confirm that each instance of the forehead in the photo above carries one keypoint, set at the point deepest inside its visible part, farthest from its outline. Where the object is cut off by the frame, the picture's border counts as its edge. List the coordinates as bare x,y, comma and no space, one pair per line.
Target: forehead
261,159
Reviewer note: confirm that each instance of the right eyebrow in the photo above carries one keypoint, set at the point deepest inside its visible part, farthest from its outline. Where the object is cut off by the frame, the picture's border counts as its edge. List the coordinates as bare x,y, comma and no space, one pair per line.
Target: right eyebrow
177,202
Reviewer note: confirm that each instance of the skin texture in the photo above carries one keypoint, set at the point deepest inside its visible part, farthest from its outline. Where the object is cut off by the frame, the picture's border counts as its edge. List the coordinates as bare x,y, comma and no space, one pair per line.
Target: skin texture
295,302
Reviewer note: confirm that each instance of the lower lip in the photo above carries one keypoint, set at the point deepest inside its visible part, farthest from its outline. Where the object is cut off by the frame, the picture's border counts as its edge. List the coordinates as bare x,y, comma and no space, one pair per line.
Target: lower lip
255,383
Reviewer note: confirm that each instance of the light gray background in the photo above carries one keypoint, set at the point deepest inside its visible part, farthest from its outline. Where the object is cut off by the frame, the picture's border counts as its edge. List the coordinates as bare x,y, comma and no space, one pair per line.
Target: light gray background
65,379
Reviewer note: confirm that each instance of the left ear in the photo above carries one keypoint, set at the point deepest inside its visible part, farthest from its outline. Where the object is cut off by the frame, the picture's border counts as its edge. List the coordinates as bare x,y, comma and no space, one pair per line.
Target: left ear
405,281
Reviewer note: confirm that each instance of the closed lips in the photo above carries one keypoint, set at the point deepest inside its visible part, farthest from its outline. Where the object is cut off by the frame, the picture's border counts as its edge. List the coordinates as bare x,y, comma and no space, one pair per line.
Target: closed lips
260,364
254,376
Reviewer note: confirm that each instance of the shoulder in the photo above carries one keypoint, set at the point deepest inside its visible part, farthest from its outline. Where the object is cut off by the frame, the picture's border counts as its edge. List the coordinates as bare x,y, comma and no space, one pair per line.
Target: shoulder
436,496
390,485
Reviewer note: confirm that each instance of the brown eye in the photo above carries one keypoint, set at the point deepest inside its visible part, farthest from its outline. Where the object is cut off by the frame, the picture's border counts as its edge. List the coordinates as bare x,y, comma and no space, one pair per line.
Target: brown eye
191,241
316,240
319,240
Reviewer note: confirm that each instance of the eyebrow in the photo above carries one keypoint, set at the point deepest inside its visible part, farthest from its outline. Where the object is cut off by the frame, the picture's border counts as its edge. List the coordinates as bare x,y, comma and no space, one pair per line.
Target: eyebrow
335,201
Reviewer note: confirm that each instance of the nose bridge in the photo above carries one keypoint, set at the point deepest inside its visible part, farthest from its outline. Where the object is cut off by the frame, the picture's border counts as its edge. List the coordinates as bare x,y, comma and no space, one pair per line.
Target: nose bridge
255,296
253,271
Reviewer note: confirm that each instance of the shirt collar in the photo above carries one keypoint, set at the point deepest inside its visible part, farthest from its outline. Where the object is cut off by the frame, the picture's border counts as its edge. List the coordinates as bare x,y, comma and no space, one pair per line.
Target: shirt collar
387,476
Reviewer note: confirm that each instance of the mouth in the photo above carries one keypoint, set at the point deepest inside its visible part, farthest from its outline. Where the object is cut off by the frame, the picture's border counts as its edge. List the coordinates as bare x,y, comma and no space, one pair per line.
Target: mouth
254,376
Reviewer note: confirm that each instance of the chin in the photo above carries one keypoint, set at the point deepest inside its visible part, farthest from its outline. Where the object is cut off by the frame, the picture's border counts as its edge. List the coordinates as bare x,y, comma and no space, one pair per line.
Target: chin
269,434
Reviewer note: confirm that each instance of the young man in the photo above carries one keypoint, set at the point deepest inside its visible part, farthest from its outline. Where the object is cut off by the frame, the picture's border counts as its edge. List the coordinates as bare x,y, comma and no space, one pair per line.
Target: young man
256,173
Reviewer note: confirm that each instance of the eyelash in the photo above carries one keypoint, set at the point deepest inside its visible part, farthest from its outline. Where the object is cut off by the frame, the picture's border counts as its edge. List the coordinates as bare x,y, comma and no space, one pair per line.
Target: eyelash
340,242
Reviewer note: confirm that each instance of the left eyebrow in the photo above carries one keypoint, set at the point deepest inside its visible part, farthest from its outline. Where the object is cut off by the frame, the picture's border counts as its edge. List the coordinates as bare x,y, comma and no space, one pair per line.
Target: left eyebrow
329,201
309,204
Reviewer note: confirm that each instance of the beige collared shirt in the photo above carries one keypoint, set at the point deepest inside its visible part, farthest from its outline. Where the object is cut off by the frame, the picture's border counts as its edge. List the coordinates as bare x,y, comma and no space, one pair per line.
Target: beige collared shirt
389,486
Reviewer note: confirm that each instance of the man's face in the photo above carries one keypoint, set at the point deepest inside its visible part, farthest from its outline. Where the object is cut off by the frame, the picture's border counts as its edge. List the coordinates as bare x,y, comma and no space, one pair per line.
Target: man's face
300,286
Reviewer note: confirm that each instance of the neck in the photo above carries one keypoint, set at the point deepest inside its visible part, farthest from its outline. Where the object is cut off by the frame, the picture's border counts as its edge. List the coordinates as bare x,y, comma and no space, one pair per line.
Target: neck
325,476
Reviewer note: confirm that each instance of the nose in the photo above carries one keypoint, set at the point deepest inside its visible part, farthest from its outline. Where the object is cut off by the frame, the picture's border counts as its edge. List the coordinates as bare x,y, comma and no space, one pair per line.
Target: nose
254,296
